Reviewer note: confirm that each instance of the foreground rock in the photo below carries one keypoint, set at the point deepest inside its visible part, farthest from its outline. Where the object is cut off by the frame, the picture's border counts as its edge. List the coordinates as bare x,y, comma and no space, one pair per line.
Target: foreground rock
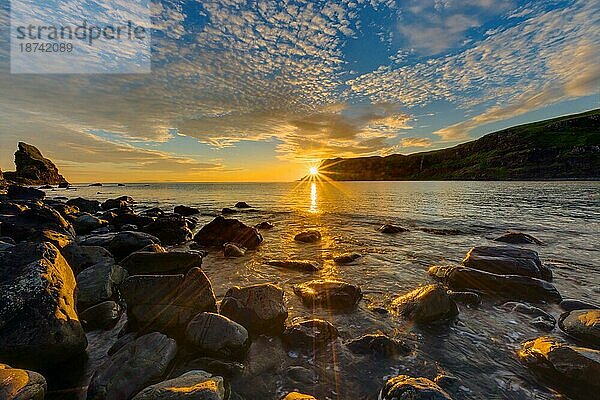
380,345
125,243
309,334
511,286
167,303
98,283
35,219
19,384
193,385
222,230
170,230
426,304
82,257
346,258
217,335
507,260
310,236
405,387
336,295
102,316
38,322
572,369
135,366
151,263
296,265
259,308
583,325
518,238
298,396
33,168
16,192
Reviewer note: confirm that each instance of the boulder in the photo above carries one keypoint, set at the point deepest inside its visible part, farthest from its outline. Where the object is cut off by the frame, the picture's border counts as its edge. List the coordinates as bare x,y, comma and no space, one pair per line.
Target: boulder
406,387
426,304
102,316
468,298
572,369
8,208
387,228
6,246
167,303
511,286
266,354
154,212
82,257
329,294
259,308
186,211
85,223
84,205
68,212
231,250
242,204
296,265
573,304
98,284
222,230
517,238
60,240
310,236
217,335
112,204
193,385
38,322
97,239
298,396
20,384
136,365
125,243
124,219
228,211
169,230
346,258
36,218
264,225
16,192
309,334
33,168
507,260
150,263
378,344
582,325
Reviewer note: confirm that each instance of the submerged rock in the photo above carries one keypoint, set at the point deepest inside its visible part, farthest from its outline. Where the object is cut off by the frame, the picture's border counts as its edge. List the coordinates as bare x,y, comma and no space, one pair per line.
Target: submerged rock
193,385
346,258
507,260
186,211
259,308
329,294
426,304
296,265
512,286
380,345
310,236
20,384
405,387
518,238
38,322
231,250
217,335
264,225
582,325
222,230
573,369
541,320
242,204
387,228
152,263
135,366
309,334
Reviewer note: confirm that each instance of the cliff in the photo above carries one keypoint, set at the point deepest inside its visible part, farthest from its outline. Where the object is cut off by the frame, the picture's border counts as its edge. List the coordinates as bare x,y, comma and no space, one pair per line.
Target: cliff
33,168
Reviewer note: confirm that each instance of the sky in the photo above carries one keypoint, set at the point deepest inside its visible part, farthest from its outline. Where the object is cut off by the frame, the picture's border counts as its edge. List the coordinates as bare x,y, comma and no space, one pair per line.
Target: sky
260,90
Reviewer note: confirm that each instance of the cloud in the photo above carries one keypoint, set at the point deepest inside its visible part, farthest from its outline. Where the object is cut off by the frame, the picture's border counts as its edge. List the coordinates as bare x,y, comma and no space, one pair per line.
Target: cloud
415,142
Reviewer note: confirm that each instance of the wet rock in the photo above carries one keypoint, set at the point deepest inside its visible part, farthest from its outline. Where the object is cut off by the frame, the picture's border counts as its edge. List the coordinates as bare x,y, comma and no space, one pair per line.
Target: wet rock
84,205
447,381
302,375
543,324
6,246
296,265
541,320
135,366
468,298
112,204
33,168
153,248
264,225
38,322
130,228
259,308
517,238
380,345
150,263
573,304
583,325
154,212
329,294
102,316
186,211
86,223
298,396
220,367
60,240
512,286
68,212
122,341
310,236
98,283
20,384
8,208
406,387
125,243
266,354
575,370
228,211
242,204
426,304
129,218
222,230
36,218
387,228
217,335
167,303
82,257
346,258
193,385
169,230
507,260
309,334
231,250
97,239
16,192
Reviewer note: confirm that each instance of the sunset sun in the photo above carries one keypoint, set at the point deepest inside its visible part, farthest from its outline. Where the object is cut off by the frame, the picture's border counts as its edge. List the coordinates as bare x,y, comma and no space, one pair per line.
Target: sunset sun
313,171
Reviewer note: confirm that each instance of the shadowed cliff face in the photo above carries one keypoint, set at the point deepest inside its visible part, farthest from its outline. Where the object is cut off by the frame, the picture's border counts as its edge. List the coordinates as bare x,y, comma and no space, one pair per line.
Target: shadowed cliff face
33,168
562,148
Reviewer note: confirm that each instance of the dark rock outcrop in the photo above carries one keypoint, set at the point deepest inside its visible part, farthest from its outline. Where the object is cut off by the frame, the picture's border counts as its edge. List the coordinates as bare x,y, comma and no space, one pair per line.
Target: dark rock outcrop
336,295
574,304
217,335
406,387
193,385
242,204
98,283
222,230
426,304
33,168
231,250
20,384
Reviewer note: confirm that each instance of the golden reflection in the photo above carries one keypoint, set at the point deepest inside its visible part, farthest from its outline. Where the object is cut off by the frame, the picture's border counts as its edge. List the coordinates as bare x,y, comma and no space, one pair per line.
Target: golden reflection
313,197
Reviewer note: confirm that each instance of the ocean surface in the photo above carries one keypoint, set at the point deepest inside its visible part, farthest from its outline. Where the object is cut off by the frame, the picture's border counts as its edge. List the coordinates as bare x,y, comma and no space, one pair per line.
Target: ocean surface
479,348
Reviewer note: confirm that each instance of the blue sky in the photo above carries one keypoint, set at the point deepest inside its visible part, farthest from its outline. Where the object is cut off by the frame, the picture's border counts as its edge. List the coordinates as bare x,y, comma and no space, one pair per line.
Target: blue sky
261,90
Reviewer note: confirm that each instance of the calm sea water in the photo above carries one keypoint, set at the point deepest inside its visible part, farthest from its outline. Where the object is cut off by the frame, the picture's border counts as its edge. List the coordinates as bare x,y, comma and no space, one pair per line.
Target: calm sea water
479,348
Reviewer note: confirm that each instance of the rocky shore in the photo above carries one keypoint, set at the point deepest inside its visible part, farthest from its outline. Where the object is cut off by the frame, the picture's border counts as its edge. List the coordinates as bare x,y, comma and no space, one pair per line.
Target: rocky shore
111,301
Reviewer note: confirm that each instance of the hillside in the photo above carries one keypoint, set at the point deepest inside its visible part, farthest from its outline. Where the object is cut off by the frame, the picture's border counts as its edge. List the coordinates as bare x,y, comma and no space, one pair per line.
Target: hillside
561,148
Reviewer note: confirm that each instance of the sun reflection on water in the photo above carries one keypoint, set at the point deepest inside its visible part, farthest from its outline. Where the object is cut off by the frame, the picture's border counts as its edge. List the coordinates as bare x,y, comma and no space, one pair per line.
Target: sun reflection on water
313,198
